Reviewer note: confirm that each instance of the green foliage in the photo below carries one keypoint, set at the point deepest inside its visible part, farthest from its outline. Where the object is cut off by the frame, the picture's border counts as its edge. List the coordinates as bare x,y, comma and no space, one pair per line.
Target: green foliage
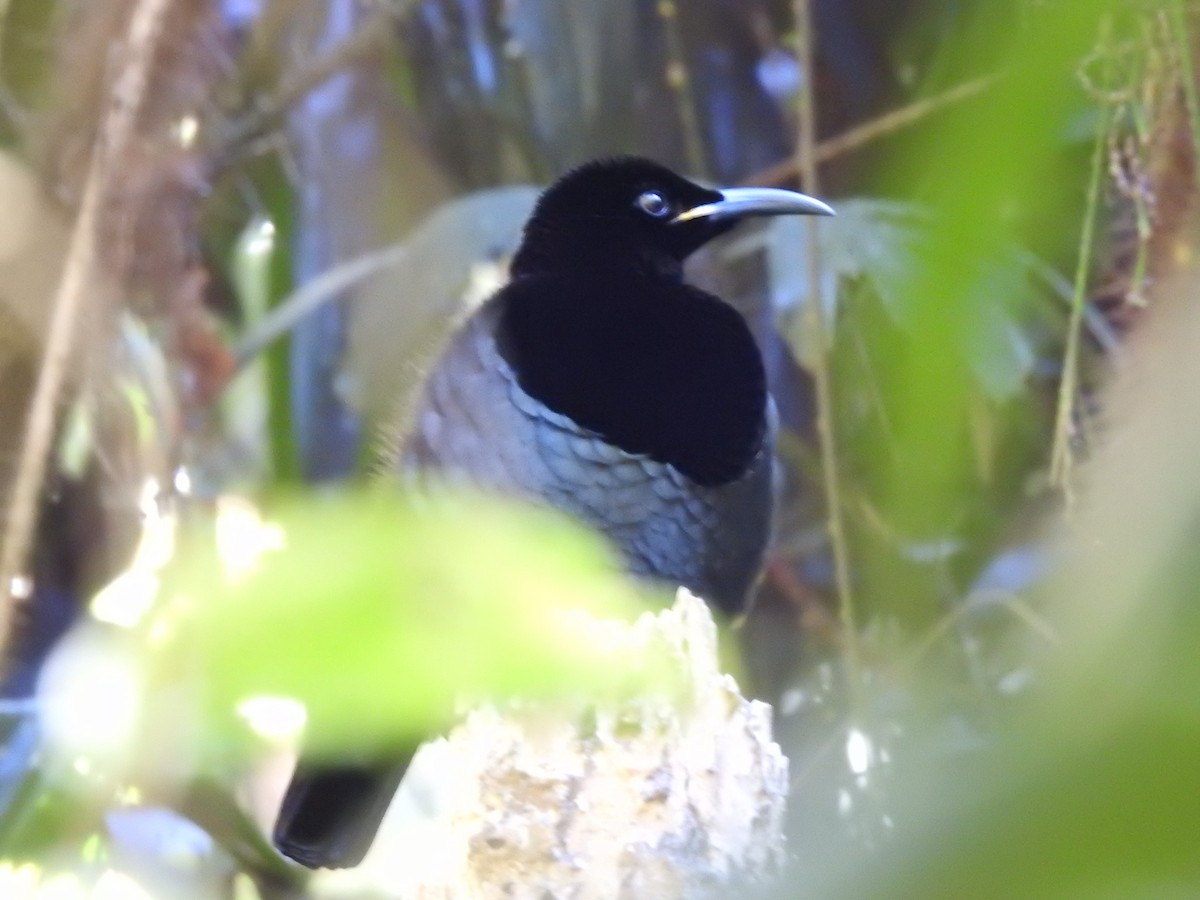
382,613
26,35
942,322
379,612
1088,786
1077,776
988,172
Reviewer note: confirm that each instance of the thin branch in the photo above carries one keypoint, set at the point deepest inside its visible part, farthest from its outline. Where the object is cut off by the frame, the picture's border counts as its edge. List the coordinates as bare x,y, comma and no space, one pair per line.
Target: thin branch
679,80
244,132
1060,455
814,319
129,89
329,286
868,132
1009,601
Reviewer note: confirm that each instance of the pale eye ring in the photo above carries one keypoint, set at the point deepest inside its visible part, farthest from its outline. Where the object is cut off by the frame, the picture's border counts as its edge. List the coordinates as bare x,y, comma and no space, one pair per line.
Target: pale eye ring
653,203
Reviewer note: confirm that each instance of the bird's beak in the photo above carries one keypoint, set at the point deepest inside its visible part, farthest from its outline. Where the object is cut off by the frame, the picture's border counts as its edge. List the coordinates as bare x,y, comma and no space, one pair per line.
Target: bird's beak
738,202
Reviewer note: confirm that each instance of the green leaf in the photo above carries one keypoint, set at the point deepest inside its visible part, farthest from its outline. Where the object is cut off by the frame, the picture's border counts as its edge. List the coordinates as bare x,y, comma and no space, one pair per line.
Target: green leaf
379,611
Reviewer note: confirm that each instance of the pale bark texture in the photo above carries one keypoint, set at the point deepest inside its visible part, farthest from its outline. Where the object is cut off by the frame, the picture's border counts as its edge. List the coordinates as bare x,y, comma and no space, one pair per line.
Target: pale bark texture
644,797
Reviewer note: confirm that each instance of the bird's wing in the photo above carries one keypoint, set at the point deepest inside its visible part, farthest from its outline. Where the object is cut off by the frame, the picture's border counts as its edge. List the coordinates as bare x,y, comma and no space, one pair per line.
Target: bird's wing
475,424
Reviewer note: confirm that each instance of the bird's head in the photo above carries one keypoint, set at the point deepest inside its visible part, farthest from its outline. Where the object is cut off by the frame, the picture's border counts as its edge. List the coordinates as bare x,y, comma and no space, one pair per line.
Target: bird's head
631,212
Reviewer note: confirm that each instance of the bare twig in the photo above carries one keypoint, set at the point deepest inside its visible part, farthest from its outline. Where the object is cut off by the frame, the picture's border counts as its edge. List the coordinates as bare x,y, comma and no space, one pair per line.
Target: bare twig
1098,327
1008,601
680,82
806,165
129,88
861,135
271,111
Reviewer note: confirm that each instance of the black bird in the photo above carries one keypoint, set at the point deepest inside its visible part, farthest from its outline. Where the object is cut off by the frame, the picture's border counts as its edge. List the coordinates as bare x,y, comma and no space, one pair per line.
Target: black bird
598,382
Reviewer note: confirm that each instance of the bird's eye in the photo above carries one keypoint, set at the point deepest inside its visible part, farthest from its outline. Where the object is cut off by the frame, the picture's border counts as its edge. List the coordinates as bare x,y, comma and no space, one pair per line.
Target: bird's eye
654,204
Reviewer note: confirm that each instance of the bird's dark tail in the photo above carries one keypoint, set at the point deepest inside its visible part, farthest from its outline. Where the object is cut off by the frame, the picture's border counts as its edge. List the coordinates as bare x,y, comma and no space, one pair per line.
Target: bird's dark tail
331,813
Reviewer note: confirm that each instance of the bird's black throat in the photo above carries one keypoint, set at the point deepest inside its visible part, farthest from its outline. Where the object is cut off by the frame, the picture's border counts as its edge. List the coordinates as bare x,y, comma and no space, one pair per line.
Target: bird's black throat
654,366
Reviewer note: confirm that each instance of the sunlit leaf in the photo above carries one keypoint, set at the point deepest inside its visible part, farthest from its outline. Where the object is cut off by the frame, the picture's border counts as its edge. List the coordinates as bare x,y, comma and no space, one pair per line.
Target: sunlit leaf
378,612
882,242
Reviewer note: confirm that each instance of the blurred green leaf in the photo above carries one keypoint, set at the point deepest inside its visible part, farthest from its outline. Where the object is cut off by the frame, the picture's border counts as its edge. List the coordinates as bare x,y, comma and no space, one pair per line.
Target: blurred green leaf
883,243
378,612
1083,783
26,39
994,176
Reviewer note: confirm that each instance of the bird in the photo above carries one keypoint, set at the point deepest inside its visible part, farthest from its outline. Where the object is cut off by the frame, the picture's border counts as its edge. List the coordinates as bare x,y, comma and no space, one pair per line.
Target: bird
596,381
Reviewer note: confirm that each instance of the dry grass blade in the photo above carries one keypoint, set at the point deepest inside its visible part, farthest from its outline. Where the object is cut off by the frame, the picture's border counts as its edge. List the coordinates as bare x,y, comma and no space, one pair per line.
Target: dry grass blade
806,162
866,133
266,117
329,286
129,89
1060,455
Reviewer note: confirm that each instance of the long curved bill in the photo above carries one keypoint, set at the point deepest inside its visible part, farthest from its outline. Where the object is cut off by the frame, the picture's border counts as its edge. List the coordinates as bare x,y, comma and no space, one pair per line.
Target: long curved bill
737,202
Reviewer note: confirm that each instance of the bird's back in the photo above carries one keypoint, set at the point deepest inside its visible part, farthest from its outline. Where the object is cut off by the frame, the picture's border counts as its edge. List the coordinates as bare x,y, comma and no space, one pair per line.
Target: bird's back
474,424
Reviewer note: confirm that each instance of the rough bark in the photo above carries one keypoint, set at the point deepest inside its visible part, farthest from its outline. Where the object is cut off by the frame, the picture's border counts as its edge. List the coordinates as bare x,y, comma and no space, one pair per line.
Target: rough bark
644,797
